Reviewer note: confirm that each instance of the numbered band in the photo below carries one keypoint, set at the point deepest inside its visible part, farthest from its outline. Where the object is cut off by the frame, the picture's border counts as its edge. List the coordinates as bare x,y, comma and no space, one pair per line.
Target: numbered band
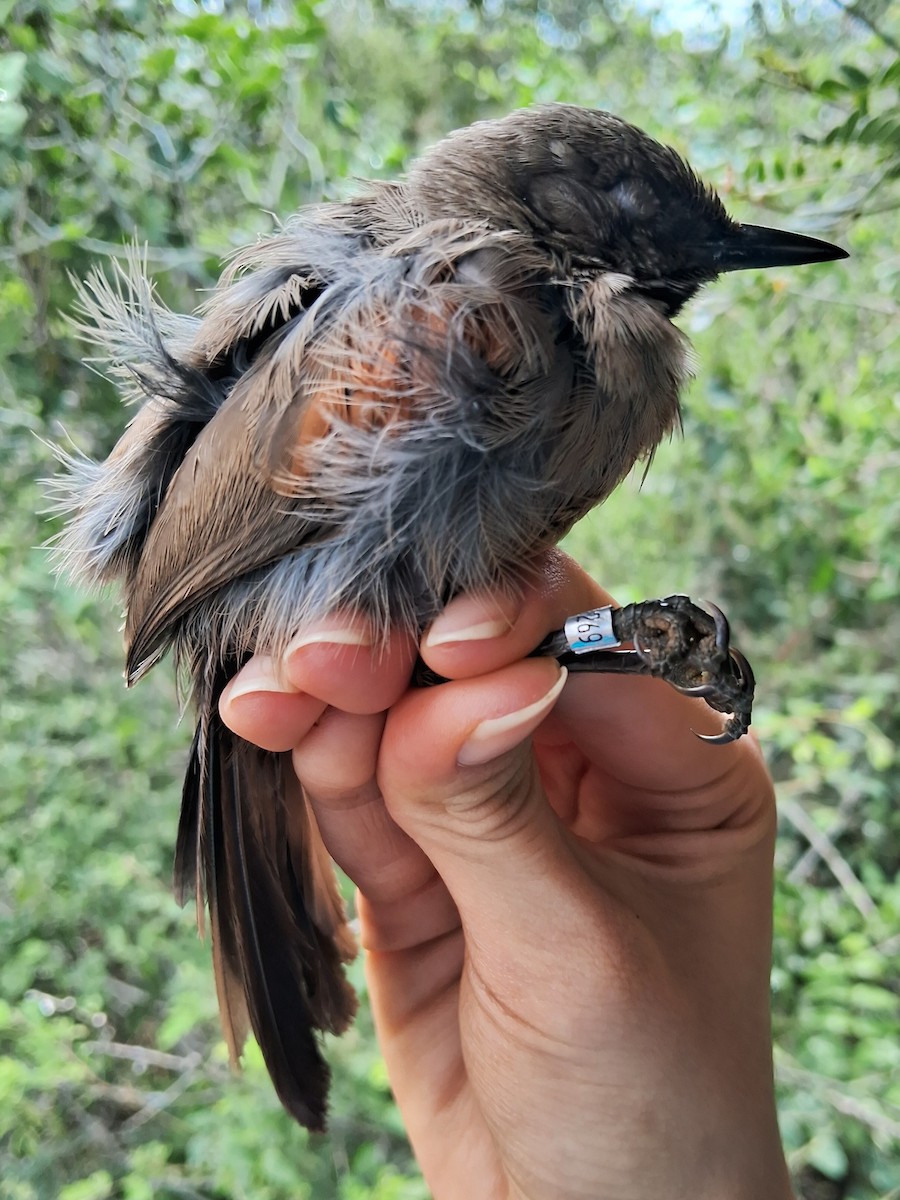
591,631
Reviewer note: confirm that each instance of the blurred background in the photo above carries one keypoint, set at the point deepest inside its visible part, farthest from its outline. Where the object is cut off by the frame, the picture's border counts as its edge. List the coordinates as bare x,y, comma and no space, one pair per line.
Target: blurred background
187,126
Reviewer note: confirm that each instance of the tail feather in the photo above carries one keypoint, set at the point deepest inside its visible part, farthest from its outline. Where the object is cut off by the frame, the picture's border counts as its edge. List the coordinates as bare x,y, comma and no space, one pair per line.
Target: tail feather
277,971
212,844
187,867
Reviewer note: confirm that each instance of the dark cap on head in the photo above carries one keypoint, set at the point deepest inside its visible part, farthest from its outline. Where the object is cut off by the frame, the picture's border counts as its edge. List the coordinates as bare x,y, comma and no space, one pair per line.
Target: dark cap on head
603,196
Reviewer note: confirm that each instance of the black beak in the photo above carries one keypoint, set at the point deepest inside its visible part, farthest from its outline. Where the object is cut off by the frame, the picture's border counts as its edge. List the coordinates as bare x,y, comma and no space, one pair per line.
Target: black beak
757,246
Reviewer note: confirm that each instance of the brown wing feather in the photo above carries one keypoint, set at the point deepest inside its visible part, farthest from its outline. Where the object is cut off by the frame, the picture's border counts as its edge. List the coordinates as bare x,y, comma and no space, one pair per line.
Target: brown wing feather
370,364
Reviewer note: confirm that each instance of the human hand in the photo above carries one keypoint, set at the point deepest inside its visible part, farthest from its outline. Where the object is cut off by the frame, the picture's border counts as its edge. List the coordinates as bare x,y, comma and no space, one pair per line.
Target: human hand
567,937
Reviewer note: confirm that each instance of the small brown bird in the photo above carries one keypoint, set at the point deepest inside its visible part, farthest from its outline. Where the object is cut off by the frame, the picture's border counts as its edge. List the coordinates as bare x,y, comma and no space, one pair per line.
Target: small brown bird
391,401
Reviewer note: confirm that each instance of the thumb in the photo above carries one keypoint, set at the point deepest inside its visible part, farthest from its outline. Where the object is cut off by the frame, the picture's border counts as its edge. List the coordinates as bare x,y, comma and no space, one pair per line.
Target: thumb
457,774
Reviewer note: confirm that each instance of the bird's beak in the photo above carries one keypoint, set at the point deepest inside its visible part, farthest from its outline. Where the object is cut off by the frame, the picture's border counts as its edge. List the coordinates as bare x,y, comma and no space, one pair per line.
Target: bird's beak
758,246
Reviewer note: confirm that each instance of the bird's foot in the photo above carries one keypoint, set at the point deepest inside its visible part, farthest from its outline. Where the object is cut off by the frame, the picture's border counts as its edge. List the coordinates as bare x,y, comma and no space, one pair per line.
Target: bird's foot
672,639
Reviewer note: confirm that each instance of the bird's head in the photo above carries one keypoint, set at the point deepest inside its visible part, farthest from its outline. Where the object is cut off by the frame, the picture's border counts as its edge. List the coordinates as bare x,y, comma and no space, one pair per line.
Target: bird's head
602,196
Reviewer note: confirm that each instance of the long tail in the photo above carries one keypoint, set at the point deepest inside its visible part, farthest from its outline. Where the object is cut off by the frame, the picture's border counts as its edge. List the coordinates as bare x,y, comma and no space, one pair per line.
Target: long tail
248,843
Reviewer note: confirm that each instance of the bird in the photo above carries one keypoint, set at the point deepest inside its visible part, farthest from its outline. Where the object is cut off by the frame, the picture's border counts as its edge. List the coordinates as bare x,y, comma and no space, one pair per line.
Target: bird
391,400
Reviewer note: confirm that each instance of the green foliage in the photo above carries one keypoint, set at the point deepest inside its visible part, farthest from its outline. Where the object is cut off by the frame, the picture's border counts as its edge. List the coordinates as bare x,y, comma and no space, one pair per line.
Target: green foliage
185,126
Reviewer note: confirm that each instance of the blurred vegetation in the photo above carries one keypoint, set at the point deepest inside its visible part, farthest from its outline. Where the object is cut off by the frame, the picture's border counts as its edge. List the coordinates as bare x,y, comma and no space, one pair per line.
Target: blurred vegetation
187,126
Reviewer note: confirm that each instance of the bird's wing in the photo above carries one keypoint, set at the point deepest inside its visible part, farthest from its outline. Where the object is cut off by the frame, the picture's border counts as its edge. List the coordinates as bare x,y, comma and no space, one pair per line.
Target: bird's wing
338,381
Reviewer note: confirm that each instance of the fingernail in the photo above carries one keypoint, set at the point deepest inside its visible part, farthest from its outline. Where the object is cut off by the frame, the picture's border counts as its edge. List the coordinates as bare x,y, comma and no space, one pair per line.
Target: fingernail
496,735
347,635
472,619
259,675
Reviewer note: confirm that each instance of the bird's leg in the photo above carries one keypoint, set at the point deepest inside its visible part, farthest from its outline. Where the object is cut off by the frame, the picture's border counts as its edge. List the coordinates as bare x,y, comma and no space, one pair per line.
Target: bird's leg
671,639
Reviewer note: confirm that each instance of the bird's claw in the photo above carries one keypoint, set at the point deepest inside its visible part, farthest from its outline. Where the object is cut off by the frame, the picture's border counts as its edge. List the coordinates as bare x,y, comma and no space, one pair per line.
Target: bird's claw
690,648
674,640
741,692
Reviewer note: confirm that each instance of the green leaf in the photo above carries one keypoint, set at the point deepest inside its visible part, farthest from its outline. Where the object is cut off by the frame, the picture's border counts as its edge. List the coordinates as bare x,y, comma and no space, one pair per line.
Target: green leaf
883,130
159,63
857,79
12,119
843,132
827,1155
98,1186
831,89
12,75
